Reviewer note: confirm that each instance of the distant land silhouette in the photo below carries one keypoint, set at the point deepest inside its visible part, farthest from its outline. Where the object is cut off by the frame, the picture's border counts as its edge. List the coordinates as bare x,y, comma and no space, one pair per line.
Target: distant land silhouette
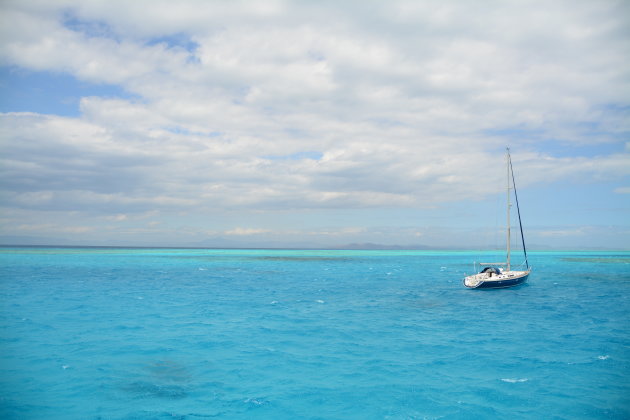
222,243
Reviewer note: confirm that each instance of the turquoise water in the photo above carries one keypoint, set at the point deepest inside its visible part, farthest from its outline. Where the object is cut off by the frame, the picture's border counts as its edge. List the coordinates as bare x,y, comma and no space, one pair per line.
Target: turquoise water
95,333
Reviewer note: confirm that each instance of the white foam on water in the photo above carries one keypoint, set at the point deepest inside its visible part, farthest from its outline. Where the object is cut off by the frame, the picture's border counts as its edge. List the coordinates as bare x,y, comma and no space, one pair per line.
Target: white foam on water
604,357
64,367
514,380
319,301
203,269
273,302
255,401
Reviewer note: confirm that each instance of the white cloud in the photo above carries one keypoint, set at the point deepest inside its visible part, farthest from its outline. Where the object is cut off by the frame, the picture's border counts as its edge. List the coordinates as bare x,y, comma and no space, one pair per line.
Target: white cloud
118,218
53,228
245,231
580,231
408,102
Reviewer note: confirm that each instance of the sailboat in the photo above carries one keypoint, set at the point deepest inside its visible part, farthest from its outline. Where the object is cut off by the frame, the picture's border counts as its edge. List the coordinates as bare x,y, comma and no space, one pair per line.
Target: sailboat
500,275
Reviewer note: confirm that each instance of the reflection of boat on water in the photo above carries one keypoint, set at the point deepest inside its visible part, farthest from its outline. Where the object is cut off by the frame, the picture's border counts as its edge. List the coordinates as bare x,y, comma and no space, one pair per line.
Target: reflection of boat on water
500,275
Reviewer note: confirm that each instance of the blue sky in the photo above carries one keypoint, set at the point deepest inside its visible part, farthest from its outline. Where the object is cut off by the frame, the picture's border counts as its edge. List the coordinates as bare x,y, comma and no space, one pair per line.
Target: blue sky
279,123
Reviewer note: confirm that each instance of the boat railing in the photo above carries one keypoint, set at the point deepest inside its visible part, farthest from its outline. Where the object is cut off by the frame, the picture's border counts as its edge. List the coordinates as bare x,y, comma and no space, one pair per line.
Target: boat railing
524,266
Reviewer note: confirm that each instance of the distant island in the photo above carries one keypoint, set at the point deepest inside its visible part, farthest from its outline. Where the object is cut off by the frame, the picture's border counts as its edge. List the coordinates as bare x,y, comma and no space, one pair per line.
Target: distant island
221,243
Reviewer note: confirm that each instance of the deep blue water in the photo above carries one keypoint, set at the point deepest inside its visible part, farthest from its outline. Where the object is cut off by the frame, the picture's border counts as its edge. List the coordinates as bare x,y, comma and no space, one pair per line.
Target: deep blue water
95,333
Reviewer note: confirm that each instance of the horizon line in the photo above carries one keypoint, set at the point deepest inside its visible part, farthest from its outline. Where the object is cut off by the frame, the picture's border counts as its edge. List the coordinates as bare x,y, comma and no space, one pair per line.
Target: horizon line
348,247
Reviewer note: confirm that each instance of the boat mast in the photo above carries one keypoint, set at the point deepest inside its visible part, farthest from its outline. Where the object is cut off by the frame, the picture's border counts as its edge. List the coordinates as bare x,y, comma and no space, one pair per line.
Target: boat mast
507,158
518,211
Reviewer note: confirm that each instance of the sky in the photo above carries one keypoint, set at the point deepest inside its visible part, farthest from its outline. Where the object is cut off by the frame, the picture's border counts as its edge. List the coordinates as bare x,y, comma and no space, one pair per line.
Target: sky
316,124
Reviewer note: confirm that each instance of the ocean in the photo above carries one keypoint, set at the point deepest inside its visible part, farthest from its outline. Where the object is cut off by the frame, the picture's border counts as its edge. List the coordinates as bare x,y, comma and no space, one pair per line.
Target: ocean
112,333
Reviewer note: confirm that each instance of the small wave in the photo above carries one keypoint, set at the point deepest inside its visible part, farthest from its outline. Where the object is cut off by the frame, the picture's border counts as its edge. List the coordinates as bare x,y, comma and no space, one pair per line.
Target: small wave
64,367
273,302
604,357
514,380
256,401
319,301
202,269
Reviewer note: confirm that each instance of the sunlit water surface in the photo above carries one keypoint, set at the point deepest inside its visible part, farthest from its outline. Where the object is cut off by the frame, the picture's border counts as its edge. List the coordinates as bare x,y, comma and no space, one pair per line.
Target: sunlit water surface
97,333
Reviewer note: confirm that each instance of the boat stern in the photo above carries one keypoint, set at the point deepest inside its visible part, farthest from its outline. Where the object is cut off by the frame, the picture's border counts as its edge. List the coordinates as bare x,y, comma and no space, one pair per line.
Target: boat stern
473,281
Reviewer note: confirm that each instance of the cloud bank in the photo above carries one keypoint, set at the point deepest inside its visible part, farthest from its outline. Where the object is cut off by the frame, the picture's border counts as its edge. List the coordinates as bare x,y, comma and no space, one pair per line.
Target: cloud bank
237,109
